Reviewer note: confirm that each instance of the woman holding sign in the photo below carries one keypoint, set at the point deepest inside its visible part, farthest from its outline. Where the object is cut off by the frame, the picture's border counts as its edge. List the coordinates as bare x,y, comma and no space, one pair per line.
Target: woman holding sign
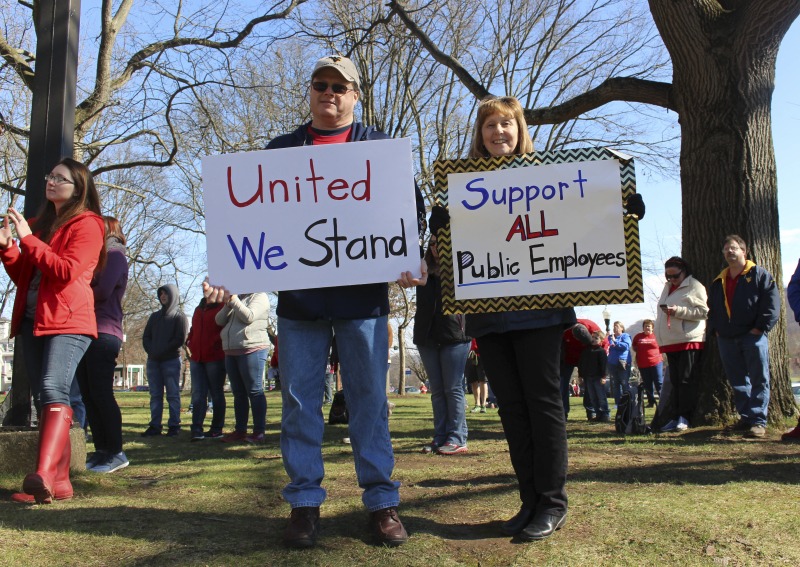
520,351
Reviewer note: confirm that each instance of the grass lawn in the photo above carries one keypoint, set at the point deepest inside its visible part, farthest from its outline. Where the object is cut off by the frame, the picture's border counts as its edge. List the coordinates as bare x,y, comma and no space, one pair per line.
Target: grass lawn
697,498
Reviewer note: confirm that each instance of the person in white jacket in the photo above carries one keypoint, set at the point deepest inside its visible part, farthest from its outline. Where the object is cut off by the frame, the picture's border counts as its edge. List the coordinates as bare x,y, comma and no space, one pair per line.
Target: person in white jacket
245,342
681,334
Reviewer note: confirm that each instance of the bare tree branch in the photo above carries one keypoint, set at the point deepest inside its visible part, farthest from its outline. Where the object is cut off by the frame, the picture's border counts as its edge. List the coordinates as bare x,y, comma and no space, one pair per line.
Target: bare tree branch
629,89
474,86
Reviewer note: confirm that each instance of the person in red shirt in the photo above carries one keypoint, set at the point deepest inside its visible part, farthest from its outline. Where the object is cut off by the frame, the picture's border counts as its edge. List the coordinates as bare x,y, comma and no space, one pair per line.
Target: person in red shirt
207,367
649,361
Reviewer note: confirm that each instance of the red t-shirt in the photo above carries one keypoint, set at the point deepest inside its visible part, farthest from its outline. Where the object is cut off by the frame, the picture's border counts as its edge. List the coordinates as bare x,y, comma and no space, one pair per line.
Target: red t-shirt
573,347
730,289
646,348
333,137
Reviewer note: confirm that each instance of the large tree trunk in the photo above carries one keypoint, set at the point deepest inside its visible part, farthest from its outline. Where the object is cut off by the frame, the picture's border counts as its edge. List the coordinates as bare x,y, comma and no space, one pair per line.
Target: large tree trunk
723,61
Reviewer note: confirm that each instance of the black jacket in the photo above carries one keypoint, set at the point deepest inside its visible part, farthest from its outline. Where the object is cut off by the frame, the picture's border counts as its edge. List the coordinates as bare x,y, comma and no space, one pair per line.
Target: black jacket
343,302
481,324
431,327
593,363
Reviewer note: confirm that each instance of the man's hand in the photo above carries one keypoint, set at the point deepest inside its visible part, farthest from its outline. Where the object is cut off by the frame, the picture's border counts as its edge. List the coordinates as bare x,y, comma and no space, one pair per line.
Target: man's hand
407,279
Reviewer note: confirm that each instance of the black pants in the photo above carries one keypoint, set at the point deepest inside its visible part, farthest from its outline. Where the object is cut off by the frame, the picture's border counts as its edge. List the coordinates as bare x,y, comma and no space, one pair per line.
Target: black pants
96,378
684,367
523,371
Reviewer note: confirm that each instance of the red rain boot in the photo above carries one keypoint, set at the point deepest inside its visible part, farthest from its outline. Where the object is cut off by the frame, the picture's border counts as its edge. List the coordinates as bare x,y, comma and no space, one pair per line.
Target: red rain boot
793,435
54,445
62,485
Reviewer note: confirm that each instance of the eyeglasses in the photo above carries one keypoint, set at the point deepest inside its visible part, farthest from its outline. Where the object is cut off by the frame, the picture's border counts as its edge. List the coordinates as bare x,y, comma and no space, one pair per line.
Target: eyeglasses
673,276
57,179
337,88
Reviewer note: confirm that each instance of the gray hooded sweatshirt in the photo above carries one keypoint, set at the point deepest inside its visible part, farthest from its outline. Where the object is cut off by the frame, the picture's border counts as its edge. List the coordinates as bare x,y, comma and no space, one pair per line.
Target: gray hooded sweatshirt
166,329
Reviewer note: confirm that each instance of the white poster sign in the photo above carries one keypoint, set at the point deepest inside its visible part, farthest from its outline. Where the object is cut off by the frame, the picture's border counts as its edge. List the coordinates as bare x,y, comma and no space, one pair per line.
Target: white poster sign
537,230
312,216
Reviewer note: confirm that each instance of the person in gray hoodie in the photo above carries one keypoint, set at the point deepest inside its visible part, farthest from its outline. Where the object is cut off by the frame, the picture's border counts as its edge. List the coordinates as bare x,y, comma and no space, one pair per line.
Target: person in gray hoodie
164,335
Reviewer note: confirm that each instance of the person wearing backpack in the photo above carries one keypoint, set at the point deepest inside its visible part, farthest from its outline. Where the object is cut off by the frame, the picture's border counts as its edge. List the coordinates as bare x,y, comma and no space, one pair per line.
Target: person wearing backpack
592,367
680,332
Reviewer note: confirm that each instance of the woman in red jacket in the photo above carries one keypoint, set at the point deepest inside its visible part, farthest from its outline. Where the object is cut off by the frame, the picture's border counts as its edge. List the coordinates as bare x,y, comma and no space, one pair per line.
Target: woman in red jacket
207,367
53,312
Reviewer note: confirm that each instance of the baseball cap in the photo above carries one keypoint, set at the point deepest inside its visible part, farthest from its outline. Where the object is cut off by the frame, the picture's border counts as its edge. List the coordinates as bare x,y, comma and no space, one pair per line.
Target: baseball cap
344,66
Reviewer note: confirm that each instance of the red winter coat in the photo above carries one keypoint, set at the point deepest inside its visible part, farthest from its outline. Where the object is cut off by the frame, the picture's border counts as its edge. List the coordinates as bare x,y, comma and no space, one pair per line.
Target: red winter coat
66,302
204,341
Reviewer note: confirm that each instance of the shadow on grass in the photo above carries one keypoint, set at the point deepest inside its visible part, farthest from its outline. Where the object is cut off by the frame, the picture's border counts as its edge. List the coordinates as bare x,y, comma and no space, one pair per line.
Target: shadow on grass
699,471
184,538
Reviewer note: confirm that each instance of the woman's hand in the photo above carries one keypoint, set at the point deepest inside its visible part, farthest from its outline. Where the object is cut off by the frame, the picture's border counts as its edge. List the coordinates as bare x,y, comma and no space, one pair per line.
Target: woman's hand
215,294
6,237
20,224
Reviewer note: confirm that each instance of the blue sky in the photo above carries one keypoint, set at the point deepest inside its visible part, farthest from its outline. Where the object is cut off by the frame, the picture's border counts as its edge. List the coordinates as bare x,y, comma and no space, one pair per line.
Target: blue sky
660,230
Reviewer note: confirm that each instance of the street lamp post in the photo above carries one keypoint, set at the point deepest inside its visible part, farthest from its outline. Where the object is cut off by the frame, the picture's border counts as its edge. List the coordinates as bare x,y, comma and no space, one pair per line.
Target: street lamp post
607,318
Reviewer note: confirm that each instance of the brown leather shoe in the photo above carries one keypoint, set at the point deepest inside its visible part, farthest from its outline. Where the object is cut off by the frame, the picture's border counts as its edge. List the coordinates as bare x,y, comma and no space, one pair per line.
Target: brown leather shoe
303,527
387,527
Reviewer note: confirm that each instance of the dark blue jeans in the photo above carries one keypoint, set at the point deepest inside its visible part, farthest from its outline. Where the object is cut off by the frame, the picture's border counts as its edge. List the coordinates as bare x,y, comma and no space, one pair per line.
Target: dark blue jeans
596,392
620,380
208,378
653,378
95,376
746,362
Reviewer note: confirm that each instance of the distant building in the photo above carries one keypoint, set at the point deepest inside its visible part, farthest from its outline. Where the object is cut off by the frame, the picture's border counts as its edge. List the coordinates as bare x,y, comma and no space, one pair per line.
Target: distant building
6,355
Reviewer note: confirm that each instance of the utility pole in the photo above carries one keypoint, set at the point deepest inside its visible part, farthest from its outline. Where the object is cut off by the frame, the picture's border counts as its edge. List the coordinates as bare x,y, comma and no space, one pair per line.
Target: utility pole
52,134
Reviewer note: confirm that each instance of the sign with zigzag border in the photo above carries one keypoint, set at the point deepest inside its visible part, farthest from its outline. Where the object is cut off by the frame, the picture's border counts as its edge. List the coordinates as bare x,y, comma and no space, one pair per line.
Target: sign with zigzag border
537,231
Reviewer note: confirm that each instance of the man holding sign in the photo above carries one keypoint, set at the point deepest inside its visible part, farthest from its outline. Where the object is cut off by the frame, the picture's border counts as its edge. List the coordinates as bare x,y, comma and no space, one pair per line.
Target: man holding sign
358,316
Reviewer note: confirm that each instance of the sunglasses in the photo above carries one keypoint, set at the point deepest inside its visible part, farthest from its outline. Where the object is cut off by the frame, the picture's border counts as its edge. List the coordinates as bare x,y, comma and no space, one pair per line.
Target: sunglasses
337,88
673,276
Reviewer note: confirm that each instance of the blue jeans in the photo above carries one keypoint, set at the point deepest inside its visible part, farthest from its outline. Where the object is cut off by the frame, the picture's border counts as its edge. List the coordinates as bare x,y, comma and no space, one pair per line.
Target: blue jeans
76,401
330,382
208,378
164,375
51,362
620,380
566,392
566,371
746,362
246,375
653,378
445,368
304,348
596,392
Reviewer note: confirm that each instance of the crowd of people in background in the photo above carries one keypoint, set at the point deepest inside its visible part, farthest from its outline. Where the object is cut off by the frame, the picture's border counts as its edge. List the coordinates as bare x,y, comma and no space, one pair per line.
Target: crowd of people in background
70,265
